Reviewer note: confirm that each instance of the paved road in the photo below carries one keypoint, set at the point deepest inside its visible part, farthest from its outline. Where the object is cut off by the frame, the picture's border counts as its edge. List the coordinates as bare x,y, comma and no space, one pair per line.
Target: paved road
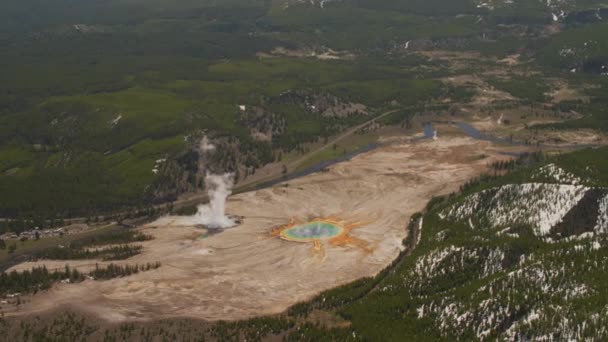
293,165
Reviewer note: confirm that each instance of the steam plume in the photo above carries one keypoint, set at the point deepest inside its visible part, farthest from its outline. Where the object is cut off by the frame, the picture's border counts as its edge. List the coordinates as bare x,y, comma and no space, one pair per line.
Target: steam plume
219,187
213,214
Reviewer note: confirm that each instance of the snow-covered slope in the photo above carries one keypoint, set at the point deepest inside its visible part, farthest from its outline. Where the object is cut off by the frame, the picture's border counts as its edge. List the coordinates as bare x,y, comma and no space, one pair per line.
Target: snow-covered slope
538,205
602,219
554,173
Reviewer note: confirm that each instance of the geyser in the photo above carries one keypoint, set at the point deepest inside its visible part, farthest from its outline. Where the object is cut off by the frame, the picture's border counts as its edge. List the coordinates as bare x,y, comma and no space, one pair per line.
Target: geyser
213,214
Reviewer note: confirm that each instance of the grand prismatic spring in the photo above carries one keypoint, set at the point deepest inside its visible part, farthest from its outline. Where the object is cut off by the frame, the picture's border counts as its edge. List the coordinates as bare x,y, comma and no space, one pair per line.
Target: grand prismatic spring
332,229
312,231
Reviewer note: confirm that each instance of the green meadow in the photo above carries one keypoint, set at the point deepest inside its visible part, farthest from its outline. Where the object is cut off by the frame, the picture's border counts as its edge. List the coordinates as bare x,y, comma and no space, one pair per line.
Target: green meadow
93,93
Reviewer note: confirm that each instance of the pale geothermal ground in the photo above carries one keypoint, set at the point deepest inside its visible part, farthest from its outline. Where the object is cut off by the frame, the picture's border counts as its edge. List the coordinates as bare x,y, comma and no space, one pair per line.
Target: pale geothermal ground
244,272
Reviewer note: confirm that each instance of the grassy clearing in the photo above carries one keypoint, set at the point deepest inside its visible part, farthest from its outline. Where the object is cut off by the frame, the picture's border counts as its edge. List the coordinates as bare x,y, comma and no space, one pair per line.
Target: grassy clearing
98,149
34,246
595,113
170,69
14,157
346,146
530,89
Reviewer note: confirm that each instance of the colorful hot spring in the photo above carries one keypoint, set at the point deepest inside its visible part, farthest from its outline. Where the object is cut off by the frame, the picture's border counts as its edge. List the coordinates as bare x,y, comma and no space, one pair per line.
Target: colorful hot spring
311,231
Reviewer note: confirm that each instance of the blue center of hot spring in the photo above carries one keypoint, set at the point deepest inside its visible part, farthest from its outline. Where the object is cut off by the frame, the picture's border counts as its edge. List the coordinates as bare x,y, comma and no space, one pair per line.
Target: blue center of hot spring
312,231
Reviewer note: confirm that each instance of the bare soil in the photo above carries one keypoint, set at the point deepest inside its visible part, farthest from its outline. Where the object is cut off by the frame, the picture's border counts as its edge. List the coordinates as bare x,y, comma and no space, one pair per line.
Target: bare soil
244,271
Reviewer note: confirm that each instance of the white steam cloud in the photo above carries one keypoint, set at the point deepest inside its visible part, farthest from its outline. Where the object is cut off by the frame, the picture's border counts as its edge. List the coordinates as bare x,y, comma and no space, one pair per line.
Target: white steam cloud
219,187
213,214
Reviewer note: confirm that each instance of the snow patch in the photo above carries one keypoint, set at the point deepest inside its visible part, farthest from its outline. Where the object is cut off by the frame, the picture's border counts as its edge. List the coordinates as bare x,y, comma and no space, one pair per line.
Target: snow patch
602,217
157,165
116,120
538,205
556,173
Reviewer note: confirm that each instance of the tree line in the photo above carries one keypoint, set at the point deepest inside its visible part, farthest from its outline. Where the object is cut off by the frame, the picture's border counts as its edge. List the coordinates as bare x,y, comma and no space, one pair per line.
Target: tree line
40,278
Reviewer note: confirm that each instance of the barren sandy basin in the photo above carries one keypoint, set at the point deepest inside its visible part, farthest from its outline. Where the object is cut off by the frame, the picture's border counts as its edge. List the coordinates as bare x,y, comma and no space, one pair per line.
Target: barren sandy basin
248,271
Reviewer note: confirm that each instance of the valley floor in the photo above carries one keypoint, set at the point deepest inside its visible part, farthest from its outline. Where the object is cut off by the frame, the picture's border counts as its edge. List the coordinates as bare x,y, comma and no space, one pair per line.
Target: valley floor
245,271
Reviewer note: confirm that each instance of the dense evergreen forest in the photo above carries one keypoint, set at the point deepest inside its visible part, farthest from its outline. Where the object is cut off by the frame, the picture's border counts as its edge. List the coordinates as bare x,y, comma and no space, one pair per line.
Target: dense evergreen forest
94,95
